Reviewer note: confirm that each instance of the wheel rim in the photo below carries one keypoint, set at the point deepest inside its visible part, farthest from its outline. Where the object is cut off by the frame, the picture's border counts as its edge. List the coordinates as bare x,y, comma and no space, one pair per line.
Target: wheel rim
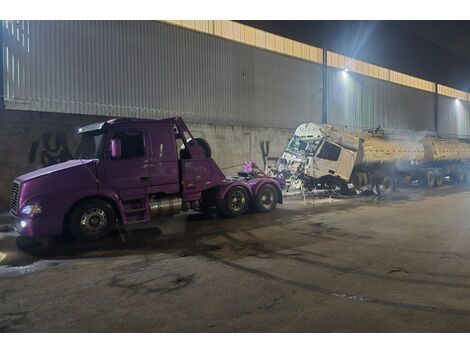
93,221
237,201
267,198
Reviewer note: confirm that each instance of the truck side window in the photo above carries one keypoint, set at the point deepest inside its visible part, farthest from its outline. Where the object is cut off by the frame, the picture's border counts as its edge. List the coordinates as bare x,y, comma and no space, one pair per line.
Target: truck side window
329,151
132,143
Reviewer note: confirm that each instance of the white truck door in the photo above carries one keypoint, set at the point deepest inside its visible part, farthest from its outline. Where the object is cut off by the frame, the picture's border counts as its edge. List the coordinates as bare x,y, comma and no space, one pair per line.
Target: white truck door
326,159
346,161
332,159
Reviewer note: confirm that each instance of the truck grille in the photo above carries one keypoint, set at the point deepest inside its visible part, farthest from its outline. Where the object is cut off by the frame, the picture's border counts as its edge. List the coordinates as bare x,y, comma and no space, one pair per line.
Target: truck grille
15,195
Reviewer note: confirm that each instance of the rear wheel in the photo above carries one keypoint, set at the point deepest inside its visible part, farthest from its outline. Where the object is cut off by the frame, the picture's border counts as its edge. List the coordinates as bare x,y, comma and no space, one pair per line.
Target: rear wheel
266,199
388,185
467,175
235,202
439,178
460,175
92,220
429,179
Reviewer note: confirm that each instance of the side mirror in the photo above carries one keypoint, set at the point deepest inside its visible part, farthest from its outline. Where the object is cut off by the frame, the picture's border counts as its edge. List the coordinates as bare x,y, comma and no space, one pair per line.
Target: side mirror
115,148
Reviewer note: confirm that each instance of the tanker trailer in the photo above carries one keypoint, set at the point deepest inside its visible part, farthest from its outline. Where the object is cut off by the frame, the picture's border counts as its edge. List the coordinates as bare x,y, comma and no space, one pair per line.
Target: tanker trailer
321,156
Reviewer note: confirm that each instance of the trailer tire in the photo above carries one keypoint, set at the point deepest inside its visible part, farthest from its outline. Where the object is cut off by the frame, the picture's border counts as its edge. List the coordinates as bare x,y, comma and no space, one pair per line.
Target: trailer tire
460,175
235,202
265,200
439,178
388,185
429,179
92,220
467,175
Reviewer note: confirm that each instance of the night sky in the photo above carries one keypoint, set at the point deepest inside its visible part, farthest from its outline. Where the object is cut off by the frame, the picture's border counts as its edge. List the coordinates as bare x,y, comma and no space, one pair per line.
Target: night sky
438,51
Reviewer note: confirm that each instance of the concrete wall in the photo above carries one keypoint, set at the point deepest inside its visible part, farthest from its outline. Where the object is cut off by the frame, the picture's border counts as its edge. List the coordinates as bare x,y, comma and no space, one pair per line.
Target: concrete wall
31,140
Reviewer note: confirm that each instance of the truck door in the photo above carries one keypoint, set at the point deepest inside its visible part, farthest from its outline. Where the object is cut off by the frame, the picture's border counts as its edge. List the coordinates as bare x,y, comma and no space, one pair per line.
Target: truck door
326,159
164,173
331,159
129,175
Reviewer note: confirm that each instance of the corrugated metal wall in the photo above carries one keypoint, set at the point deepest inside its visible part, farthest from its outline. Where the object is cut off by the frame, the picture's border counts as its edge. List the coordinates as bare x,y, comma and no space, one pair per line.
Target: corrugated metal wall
152,69
454,117
360,102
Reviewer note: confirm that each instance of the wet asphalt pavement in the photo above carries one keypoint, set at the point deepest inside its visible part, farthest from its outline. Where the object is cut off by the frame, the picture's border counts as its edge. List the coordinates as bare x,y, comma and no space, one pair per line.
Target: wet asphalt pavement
357,264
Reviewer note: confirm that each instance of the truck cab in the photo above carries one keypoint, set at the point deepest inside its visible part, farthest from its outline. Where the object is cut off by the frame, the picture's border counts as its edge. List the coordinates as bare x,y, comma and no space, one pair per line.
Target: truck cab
128,171
318,154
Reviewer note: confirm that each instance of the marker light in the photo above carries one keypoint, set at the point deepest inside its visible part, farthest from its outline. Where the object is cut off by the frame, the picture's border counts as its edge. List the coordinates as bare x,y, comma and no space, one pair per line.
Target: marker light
23,223
31,209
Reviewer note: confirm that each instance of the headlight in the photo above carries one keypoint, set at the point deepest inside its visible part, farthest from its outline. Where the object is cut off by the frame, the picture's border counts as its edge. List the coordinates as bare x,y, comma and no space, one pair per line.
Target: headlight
31,209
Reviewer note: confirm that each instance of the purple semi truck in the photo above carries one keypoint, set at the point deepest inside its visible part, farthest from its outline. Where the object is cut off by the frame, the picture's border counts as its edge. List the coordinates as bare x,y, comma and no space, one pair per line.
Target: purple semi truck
129,171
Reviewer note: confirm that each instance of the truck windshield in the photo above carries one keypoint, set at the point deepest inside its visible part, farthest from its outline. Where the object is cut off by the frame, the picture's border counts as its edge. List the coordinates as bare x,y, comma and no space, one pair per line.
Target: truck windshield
297,145
91,145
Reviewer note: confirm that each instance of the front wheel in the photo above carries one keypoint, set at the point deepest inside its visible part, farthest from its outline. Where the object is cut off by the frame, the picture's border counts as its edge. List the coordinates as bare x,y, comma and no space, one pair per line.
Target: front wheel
92,220
266,199
235,202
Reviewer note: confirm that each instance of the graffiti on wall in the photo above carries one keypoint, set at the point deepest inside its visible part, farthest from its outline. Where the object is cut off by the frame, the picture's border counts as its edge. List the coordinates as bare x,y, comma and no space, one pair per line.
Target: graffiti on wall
264,145
51,149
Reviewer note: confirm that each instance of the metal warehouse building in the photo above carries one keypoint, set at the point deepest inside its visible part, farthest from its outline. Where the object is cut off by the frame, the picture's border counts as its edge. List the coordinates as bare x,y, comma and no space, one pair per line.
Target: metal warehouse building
241,88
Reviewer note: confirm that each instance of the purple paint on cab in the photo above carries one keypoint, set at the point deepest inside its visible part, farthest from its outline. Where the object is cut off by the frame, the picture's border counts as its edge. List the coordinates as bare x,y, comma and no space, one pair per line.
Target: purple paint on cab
103,169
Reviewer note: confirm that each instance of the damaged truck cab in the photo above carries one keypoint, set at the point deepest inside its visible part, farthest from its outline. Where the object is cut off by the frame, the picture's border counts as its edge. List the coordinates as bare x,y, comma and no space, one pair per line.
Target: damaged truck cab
129,171
322,157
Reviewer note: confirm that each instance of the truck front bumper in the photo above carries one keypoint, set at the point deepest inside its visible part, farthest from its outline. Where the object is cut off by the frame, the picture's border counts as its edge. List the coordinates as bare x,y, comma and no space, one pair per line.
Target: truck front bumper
37,226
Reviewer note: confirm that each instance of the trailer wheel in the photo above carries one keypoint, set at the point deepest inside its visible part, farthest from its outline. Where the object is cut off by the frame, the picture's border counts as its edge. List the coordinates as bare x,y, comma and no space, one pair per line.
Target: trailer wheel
235,202
467,175
439,178
265,200
460,175
429,179
92,220
388,185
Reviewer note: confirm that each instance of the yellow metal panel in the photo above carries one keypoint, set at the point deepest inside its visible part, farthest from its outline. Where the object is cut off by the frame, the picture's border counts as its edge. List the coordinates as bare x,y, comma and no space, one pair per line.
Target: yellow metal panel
227,30
305,51
289,47
297,49
270,41
260,38
237,32
279,44
218,28
250,35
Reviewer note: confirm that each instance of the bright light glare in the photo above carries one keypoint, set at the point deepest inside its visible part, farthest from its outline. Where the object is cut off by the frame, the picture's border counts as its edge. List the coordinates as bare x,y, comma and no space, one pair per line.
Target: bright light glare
23,223
345,73
457,101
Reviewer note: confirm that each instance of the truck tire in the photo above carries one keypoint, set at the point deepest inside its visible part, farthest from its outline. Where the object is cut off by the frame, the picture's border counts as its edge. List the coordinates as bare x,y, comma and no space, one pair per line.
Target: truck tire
265,200
460,175
92,220
235,202
388,185
439,178
467,176
429,179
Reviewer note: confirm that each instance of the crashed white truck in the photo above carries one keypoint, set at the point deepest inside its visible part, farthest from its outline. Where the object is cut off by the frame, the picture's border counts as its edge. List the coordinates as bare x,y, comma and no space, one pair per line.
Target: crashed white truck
320,156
